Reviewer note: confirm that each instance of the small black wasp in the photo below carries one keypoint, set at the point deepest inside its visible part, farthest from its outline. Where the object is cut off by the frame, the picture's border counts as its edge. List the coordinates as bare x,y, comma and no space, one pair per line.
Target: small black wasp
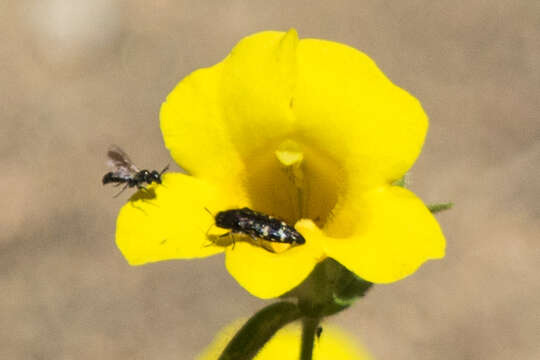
258,225
125,172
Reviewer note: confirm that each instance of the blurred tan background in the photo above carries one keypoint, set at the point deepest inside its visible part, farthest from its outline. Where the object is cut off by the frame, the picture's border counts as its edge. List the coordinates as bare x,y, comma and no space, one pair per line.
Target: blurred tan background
77,76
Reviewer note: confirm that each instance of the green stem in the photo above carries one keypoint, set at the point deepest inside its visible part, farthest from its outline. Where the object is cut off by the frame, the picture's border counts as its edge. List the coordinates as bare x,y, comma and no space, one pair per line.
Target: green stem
259,329
309,328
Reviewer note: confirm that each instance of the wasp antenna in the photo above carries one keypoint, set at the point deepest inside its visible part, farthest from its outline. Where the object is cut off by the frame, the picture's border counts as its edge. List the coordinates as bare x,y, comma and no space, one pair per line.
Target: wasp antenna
208,211
164,169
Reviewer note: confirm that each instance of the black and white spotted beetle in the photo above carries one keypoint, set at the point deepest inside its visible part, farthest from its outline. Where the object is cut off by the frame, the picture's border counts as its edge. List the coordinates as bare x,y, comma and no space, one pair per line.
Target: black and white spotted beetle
258,225
125,172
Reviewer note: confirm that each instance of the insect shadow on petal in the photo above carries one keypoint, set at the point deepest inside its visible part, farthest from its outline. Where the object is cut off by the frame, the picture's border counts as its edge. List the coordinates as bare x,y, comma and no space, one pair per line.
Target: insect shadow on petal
222,240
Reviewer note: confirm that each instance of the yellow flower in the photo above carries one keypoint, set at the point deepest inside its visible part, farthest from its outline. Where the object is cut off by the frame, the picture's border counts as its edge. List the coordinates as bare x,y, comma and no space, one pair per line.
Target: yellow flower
334,344
310,131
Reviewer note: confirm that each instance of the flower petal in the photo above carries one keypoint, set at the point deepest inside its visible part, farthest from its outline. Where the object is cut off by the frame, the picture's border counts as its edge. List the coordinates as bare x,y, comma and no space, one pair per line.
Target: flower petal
194,129
169,221
347,106
258,80
394,234
267,275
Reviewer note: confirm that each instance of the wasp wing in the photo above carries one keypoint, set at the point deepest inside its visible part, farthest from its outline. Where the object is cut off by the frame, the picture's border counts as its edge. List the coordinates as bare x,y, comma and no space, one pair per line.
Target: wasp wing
120,162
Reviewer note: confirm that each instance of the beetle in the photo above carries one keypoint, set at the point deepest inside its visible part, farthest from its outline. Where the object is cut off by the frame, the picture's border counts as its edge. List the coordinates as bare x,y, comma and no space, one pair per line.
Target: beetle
258,225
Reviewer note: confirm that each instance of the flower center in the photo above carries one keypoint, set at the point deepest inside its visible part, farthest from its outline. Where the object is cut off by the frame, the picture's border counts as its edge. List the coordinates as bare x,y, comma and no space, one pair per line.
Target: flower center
294,182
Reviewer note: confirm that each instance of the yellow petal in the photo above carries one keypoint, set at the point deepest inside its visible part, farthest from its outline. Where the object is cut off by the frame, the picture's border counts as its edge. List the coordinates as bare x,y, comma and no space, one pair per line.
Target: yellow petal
345,105
334,344
194,129
258,80
393,234
169,221
266,274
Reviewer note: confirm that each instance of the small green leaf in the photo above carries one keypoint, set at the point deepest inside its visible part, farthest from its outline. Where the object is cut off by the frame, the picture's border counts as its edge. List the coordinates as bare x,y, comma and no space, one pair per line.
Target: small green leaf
435,208
403,182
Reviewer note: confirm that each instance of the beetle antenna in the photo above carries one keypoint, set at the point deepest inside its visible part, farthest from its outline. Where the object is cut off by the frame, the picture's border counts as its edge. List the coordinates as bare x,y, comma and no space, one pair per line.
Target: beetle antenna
211,225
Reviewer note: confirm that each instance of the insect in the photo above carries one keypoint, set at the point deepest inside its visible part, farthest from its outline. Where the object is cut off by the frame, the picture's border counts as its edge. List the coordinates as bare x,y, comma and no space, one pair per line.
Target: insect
319,332
125,172
258,225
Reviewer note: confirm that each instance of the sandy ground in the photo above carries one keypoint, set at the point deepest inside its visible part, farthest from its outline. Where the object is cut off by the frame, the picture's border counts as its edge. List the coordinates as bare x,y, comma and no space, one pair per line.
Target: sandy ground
77,76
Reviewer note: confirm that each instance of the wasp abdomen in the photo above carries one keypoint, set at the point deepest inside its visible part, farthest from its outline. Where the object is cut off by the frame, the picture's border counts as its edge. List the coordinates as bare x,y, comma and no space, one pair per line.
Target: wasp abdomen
110,177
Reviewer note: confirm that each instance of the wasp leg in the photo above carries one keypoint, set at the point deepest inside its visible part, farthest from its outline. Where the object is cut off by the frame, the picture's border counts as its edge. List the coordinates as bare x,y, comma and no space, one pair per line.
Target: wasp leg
121,191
